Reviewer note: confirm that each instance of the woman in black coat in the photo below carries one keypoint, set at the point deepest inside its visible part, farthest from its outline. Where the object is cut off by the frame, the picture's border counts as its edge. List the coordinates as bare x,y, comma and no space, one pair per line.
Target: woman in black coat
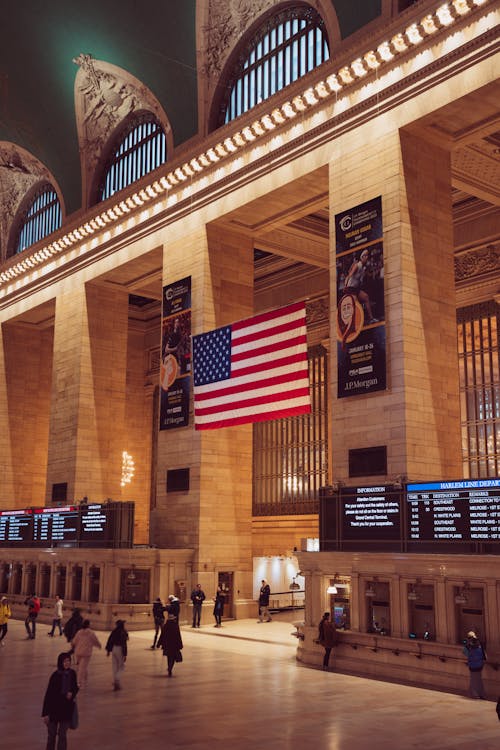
171,642
59,702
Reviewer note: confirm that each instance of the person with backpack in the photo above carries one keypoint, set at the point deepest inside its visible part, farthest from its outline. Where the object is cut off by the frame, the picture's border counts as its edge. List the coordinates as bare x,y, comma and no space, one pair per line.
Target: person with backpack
476,659
33,603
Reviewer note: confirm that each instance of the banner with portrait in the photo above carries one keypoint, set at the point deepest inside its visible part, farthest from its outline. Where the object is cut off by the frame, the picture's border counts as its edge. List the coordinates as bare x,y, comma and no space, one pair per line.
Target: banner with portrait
360,321
175,356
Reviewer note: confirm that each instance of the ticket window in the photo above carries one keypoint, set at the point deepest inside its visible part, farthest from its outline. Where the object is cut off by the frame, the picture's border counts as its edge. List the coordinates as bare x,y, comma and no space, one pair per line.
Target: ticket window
4,577
469,612
421,611
76,583
30,579
45,571
378,607
61,581
94,583
17,578
340,603
225,581
134,586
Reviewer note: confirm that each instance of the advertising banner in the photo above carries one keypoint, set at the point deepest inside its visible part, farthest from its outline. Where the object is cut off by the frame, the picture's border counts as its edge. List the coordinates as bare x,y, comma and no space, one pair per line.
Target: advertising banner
361,358
175,366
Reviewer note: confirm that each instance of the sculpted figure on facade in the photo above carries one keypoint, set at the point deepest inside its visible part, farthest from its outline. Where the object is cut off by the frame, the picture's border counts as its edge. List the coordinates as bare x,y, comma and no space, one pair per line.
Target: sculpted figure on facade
19,172
104,96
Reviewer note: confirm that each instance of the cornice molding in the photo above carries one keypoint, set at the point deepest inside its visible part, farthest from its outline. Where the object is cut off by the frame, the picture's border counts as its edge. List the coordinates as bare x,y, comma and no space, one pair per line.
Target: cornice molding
186,187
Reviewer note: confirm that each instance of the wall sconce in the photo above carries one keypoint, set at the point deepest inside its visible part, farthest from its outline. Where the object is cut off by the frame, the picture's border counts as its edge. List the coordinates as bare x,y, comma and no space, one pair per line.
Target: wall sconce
332,589
463,595
370,589
413,593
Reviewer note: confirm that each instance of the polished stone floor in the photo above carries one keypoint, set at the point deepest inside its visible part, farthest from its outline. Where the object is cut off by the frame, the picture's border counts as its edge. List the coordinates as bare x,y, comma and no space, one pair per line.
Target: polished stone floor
238,688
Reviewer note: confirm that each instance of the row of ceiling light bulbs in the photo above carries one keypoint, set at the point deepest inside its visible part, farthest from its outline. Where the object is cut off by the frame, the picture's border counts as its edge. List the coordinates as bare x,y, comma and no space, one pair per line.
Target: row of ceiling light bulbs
444,16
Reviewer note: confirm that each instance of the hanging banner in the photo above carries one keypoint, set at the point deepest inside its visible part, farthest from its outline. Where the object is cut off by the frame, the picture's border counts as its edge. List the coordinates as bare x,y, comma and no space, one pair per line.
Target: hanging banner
175,366
361,358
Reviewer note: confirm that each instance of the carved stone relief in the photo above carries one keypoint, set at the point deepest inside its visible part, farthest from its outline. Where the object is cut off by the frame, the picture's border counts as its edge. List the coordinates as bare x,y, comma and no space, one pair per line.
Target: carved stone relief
228,22
104,96
477,263
19,172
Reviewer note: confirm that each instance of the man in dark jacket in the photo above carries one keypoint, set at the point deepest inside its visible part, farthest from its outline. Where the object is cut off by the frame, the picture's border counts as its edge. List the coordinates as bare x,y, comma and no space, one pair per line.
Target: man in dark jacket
33,603
117,647
59,701
159,618
264,594
197,597
476,659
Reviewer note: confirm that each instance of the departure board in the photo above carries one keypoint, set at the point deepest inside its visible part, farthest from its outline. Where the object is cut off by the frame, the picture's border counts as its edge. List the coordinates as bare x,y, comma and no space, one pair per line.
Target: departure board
370,514
16,526
95,525
86,525
462,511
56,525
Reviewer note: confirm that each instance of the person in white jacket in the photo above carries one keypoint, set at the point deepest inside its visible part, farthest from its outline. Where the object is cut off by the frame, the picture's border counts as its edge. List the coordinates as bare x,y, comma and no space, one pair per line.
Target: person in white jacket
84,641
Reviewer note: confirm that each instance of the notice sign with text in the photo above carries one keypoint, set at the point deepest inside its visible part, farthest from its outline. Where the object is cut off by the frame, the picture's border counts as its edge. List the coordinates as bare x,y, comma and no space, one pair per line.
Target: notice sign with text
175,364
371,514
361,350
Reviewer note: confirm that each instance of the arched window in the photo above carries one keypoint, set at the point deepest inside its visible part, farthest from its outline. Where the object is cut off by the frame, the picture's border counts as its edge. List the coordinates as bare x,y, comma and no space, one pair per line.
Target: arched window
41,217
138,149
286,47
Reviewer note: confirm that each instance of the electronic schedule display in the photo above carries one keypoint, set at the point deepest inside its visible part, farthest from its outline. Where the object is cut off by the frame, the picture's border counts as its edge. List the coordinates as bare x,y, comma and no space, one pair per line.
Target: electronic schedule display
450,513
86,525
370,516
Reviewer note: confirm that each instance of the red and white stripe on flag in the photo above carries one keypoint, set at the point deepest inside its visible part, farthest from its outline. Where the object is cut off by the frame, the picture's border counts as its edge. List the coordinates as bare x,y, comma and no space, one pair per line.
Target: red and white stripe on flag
253,370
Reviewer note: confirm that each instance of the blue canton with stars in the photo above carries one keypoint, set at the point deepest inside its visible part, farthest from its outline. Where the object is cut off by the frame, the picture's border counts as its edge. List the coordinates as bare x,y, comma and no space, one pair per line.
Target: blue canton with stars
212,356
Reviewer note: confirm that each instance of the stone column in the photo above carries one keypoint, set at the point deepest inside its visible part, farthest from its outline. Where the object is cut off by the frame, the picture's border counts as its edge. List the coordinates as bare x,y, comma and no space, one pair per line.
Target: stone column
25,367
418,416
214,516
87,427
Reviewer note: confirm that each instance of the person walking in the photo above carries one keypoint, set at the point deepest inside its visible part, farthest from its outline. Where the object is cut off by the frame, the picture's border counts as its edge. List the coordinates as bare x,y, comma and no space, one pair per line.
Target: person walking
33,603
264,594
171,642
159,619
59,702
220,598
58,613
173,607
327,637
5,613
83,643
117,648
476,658
73,625
197,597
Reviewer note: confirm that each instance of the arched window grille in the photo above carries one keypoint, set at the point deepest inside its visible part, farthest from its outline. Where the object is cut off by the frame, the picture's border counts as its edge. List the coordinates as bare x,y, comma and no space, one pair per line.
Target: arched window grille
140,149
289,45
42,217
479,370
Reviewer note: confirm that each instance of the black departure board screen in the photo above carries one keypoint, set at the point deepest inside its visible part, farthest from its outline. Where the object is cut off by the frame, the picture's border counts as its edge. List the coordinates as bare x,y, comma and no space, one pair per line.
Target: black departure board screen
371,515
454,512
56,525
16,527
86,525
95,525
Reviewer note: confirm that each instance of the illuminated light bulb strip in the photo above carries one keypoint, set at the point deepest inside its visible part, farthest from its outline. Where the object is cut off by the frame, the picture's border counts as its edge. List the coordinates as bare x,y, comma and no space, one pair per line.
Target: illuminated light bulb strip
443,17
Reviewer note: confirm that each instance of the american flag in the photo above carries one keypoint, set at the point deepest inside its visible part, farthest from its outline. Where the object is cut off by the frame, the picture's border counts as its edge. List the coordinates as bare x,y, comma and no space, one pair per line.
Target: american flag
252,370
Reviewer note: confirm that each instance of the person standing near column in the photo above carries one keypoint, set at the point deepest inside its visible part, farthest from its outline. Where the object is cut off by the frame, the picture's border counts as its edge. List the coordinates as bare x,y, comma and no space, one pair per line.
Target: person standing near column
83,643
327,637
197,597
476,659
264,594
117,647
5,613
58,613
